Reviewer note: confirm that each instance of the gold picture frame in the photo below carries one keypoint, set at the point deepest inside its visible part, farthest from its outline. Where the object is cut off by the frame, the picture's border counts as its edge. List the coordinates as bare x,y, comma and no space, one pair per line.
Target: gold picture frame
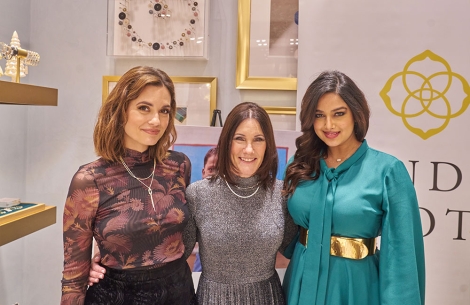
191,86
280,110
243,78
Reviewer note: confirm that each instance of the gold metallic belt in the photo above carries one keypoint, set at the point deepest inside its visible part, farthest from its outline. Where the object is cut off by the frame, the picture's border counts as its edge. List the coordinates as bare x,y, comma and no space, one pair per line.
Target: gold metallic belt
353,248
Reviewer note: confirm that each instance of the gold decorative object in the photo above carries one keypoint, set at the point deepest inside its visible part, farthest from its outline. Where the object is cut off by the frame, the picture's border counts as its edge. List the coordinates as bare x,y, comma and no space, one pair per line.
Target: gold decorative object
243,78
17,62
17,58
280,110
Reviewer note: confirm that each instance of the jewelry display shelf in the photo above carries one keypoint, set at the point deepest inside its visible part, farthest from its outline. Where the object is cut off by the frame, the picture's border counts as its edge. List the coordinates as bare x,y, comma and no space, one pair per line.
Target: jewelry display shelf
23,222
25,94
36,216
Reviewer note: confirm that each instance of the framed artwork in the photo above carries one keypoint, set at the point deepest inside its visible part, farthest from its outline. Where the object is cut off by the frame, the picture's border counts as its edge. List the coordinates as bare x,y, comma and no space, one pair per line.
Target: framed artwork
267,44
195,98
158,28
280,110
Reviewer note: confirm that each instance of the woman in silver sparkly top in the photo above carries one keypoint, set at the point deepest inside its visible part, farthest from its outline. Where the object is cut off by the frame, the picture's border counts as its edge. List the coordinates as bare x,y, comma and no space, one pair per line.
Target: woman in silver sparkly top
239,217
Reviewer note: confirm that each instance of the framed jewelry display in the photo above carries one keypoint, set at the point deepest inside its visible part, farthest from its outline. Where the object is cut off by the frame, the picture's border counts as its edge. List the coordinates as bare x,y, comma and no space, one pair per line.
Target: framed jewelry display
267,44
195,98
158,28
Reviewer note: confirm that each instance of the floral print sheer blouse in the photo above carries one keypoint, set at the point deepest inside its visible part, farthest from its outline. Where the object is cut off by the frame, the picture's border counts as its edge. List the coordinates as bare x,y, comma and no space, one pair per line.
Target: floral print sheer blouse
105,202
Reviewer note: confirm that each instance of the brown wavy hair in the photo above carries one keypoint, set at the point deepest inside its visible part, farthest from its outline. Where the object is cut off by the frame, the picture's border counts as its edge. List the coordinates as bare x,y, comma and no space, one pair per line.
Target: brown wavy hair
268,168
310,149
108,136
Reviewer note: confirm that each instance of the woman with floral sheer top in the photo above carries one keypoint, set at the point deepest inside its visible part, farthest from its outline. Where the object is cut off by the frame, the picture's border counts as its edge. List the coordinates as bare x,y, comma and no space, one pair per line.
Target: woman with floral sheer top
131,201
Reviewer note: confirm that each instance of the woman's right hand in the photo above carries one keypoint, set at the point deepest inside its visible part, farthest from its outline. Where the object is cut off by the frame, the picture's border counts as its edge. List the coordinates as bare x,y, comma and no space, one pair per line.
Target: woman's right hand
96,271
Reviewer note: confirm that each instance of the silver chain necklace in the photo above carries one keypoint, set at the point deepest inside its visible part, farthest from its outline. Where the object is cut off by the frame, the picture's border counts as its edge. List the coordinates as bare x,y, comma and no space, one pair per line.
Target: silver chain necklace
149,187
248,187
240,196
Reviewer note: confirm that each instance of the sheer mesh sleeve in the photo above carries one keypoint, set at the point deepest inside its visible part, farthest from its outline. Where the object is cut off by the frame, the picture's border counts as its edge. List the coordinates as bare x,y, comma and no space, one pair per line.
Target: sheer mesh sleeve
190,231
79,214
187,170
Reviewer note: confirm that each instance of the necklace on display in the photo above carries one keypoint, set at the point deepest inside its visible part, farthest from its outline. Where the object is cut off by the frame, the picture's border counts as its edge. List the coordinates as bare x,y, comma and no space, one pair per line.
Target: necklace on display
149,187
159,10
240,196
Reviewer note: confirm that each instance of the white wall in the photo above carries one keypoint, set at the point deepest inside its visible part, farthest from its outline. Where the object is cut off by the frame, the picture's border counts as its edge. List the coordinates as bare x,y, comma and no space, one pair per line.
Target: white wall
13,127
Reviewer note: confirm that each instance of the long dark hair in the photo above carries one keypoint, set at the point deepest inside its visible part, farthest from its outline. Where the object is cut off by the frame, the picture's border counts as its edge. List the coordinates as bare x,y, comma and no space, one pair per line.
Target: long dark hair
268,169
310,149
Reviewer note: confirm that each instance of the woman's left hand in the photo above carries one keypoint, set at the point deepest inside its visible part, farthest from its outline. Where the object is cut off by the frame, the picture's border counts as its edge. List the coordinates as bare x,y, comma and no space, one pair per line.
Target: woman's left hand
96,271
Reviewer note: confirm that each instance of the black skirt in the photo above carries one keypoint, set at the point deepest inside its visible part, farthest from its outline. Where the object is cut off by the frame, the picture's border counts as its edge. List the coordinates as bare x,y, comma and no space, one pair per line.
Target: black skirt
168,285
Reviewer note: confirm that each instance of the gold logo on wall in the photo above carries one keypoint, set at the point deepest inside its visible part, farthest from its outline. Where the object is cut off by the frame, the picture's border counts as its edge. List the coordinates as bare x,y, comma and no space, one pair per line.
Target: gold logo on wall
427,94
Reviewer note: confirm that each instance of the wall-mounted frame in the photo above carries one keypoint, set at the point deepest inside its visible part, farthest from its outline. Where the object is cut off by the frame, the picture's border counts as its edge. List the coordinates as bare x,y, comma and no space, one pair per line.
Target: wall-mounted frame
266,53
282,118
137,28
196,98
280,110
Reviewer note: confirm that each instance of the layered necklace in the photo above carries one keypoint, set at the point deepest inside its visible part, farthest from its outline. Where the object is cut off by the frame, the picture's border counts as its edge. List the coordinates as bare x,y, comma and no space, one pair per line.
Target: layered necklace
149,187
244,188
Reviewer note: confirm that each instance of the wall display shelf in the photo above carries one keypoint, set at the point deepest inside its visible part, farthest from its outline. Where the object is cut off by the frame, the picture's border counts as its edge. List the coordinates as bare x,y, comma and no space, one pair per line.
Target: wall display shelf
16,223
22,222
25,94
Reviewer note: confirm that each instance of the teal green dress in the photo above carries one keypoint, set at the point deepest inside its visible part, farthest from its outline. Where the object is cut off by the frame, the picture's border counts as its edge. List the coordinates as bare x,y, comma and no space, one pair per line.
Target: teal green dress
368,195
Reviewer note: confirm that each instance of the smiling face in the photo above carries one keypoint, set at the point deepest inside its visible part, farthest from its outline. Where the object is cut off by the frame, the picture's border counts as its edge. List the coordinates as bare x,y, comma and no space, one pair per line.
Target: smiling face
147,118
334,122
248,148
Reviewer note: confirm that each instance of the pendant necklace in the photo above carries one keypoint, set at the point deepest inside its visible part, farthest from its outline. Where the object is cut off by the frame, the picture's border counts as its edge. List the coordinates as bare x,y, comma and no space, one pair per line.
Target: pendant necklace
149,187
347,155
240,196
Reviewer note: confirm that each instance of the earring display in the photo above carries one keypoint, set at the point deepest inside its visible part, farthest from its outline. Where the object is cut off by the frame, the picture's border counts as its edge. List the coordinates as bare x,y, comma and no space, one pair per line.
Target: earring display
17,59
157,28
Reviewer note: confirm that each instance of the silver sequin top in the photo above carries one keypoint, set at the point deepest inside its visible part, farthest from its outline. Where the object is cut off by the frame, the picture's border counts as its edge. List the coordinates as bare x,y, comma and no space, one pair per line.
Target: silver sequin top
238,240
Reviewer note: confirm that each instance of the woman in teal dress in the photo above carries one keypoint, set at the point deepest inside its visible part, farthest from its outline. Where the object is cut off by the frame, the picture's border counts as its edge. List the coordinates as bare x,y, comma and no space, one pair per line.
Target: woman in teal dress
344,194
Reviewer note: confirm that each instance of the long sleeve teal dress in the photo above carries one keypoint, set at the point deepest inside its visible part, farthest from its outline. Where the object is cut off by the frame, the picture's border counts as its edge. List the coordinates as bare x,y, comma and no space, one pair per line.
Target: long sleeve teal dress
368,195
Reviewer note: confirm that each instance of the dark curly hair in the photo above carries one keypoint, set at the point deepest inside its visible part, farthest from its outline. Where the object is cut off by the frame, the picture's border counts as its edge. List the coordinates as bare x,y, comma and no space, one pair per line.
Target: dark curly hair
310,149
